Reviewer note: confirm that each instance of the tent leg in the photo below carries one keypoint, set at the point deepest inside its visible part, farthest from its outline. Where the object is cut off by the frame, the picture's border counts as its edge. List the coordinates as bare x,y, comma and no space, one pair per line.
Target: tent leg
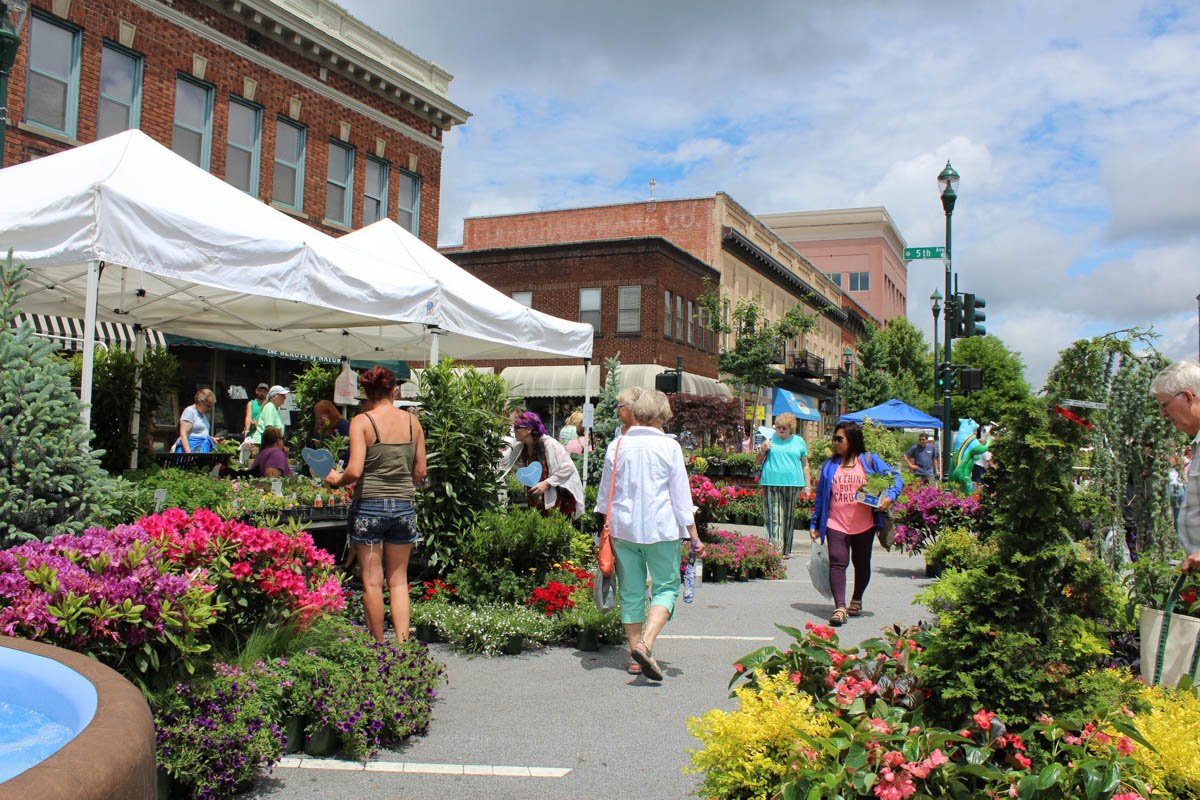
587,418
135,422
434,356
89,341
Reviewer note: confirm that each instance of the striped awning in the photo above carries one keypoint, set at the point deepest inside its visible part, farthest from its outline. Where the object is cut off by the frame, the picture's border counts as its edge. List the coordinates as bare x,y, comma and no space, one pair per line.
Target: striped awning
67,332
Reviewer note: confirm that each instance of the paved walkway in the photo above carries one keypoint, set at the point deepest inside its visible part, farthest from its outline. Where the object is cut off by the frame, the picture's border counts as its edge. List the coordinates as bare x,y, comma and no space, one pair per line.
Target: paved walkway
560,723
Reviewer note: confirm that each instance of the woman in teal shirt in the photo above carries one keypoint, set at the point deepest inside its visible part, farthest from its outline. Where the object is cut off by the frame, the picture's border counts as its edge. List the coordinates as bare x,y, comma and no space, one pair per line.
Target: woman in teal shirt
784,462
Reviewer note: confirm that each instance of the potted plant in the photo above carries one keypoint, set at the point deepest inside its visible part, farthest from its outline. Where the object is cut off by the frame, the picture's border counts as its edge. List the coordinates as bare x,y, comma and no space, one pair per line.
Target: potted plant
740,463
872,491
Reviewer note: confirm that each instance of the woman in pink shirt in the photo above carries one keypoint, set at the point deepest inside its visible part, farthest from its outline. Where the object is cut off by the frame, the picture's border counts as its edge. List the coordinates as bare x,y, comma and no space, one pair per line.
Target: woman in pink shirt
849,524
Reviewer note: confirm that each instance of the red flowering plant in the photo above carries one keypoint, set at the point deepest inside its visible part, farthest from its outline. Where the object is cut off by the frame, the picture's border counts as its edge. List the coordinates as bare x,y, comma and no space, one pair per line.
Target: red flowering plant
707,500
923,510
263,577
563,581
434,591
883,748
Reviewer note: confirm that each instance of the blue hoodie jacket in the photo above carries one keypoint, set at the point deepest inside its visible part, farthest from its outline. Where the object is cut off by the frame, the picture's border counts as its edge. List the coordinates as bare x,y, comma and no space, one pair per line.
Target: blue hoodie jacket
872,465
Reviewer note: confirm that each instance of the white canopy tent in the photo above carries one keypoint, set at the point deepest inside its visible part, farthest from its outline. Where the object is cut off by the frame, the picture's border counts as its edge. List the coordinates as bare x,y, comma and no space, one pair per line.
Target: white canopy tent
466,303
125,230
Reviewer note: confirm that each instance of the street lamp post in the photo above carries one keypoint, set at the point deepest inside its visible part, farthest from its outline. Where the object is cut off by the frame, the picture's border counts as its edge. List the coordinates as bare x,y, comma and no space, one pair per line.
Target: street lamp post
847,362
12,21
948,186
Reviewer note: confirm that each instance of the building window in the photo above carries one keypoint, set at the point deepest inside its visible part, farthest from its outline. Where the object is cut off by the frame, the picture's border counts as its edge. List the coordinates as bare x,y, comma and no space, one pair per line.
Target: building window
243,146
408,213
836,277
666,315
524,298
52,84
860,281
120,104
288,188
192,135
375,191
589,307
691,323
629,309
679,318
339,184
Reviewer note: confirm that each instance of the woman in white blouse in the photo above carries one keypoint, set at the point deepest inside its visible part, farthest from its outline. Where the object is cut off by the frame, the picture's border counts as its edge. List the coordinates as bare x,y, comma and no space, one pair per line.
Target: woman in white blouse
651,504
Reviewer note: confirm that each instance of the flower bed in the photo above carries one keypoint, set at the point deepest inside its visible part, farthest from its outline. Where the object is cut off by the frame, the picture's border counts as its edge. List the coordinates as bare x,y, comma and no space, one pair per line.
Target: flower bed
743,556
859,729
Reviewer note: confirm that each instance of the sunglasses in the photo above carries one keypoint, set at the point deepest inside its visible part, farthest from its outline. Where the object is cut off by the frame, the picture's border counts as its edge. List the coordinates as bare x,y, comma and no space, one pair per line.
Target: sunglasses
521,427
839,438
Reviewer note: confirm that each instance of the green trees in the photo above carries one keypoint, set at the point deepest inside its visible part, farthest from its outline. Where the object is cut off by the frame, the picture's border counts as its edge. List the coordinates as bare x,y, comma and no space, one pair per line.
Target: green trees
894,363
50,478
464,414
1004,382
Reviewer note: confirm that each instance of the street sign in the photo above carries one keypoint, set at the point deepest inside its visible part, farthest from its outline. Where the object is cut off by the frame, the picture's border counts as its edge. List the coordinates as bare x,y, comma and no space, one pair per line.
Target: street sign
1082,404
913,253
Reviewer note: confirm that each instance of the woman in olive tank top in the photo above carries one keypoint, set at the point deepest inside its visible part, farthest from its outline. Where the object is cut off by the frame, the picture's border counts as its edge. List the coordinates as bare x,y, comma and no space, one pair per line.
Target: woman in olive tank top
387,461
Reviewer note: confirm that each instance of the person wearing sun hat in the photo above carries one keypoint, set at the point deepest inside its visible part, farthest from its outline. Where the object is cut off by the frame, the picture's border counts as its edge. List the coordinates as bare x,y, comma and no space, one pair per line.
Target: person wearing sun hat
270,417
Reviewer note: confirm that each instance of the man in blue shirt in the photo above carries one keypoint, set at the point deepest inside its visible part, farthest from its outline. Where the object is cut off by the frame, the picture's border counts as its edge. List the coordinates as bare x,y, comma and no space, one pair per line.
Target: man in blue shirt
922,459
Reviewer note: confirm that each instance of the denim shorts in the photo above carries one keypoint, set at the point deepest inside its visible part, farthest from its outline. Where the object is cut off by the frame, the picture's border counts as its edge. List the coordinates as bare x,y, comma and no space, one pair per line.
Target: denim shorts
388,519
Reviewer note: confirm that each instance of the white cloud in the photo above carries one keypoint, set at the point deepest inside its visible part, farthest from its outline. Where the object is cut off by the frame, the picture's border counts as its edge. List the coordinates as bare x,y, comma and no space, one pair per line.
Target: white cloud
1072,123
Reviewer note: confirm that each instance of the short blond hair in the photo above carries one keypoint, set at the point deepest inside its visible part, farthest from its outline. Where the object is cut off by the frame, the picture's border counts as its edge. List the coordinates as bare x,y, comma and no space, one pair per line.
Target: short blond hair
575,419
652,406
629,395
206,396
786,419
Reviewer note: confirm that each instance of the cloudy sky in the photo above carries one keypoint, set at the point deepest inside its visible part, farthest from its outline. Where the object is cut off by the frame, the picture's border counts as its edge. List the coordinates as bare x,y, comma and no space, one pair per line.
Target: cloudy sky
1075,125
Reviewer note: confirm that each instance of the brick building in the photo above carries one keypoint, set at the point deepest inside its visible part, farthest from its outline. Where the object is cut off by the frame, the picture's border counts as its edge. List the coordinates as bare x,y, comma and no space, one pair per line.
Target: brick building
629,289
298,104
752,263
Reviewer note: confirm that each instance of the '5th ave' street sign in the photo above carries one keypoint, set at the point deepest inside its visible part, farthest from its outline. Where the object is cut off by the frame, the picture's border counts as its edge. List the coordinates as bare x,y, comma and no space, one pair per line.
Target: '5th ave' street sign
912,253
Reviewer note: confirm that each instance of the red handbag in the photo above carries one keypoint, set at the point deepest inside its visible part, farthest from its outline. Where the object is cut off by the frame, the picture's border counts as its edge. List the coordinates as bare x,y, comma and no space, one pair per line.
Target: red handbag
606,559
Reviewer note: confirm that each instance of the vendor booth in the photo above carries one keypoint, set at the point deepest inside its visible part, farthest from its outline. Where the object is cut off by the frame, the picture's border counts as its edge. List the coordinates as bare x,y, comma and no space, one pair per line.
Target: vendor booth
894,414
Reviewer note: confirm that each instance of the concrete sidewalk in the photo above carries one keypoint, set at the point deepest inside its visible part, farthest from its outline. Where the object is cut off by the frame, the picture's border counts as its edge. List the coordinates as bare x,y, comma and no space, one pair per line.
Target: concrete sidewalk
561,723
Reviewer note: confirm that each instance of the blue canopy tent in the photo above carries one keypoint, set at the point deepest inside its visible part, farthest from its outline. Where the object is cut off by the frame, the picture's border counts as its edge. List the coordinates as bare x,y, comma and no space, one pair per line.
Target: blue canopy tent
894,414
800,406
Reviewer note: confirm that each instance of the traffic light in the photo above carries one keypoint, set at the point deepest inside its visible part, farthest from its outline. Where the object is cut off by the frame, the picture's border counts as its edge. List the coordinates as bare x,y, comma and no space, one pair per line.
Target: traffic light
972,315
954,316
945,379
668,382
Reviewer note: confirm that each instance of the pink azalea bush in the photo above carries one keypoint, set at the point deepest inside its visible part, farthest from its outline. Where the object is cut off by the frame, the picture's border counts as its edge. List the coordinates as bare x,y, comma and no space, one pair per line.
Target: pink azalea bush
111,594
266,576
923,510
151,597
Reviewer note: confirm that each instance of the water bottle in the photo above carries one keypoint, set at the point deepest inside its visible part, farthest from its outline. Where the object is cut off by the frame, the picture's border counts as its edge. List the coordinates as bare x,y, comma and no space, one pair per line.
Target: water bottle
689,576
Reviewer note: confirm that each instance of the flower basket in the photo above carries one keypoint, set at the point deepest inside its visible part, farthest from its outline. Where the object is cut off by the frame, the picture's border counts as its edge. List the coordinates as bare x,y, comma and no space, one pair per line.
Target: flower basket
587,639
323,742
1170,642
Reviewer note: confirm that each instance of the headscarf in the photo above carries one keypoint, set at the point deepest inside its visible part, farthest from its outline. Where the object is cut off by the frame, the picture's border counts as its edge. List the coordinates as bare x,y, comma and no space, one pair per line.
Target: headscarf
528,419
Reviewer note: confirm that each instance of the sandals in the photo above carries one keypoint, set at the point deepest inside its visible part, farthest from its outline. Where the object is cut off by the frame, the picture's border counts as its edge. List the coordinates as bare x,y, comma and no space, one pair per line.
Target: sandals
839,617
855,609
633,667
645,659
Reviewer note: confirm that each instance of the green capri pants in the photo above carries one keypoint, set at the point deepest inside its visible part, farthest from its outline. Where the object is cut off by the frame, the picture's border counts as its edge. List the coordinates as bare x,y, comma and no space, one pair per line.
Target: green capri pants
634,560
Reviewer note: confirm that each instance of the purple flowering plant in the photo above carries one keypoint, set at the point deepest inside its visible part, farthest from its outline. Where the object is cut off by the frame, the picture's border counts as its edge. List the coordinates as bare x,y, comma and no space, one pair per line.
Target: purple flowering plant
113,595
216,734
373,695
924,510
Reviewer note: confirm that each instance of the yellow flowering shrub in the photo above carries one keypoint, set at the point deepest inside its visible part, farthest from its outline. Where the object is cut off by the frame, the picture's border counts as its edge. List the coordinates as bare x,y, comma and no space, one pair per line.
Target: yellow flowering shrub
748,753
1172,725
